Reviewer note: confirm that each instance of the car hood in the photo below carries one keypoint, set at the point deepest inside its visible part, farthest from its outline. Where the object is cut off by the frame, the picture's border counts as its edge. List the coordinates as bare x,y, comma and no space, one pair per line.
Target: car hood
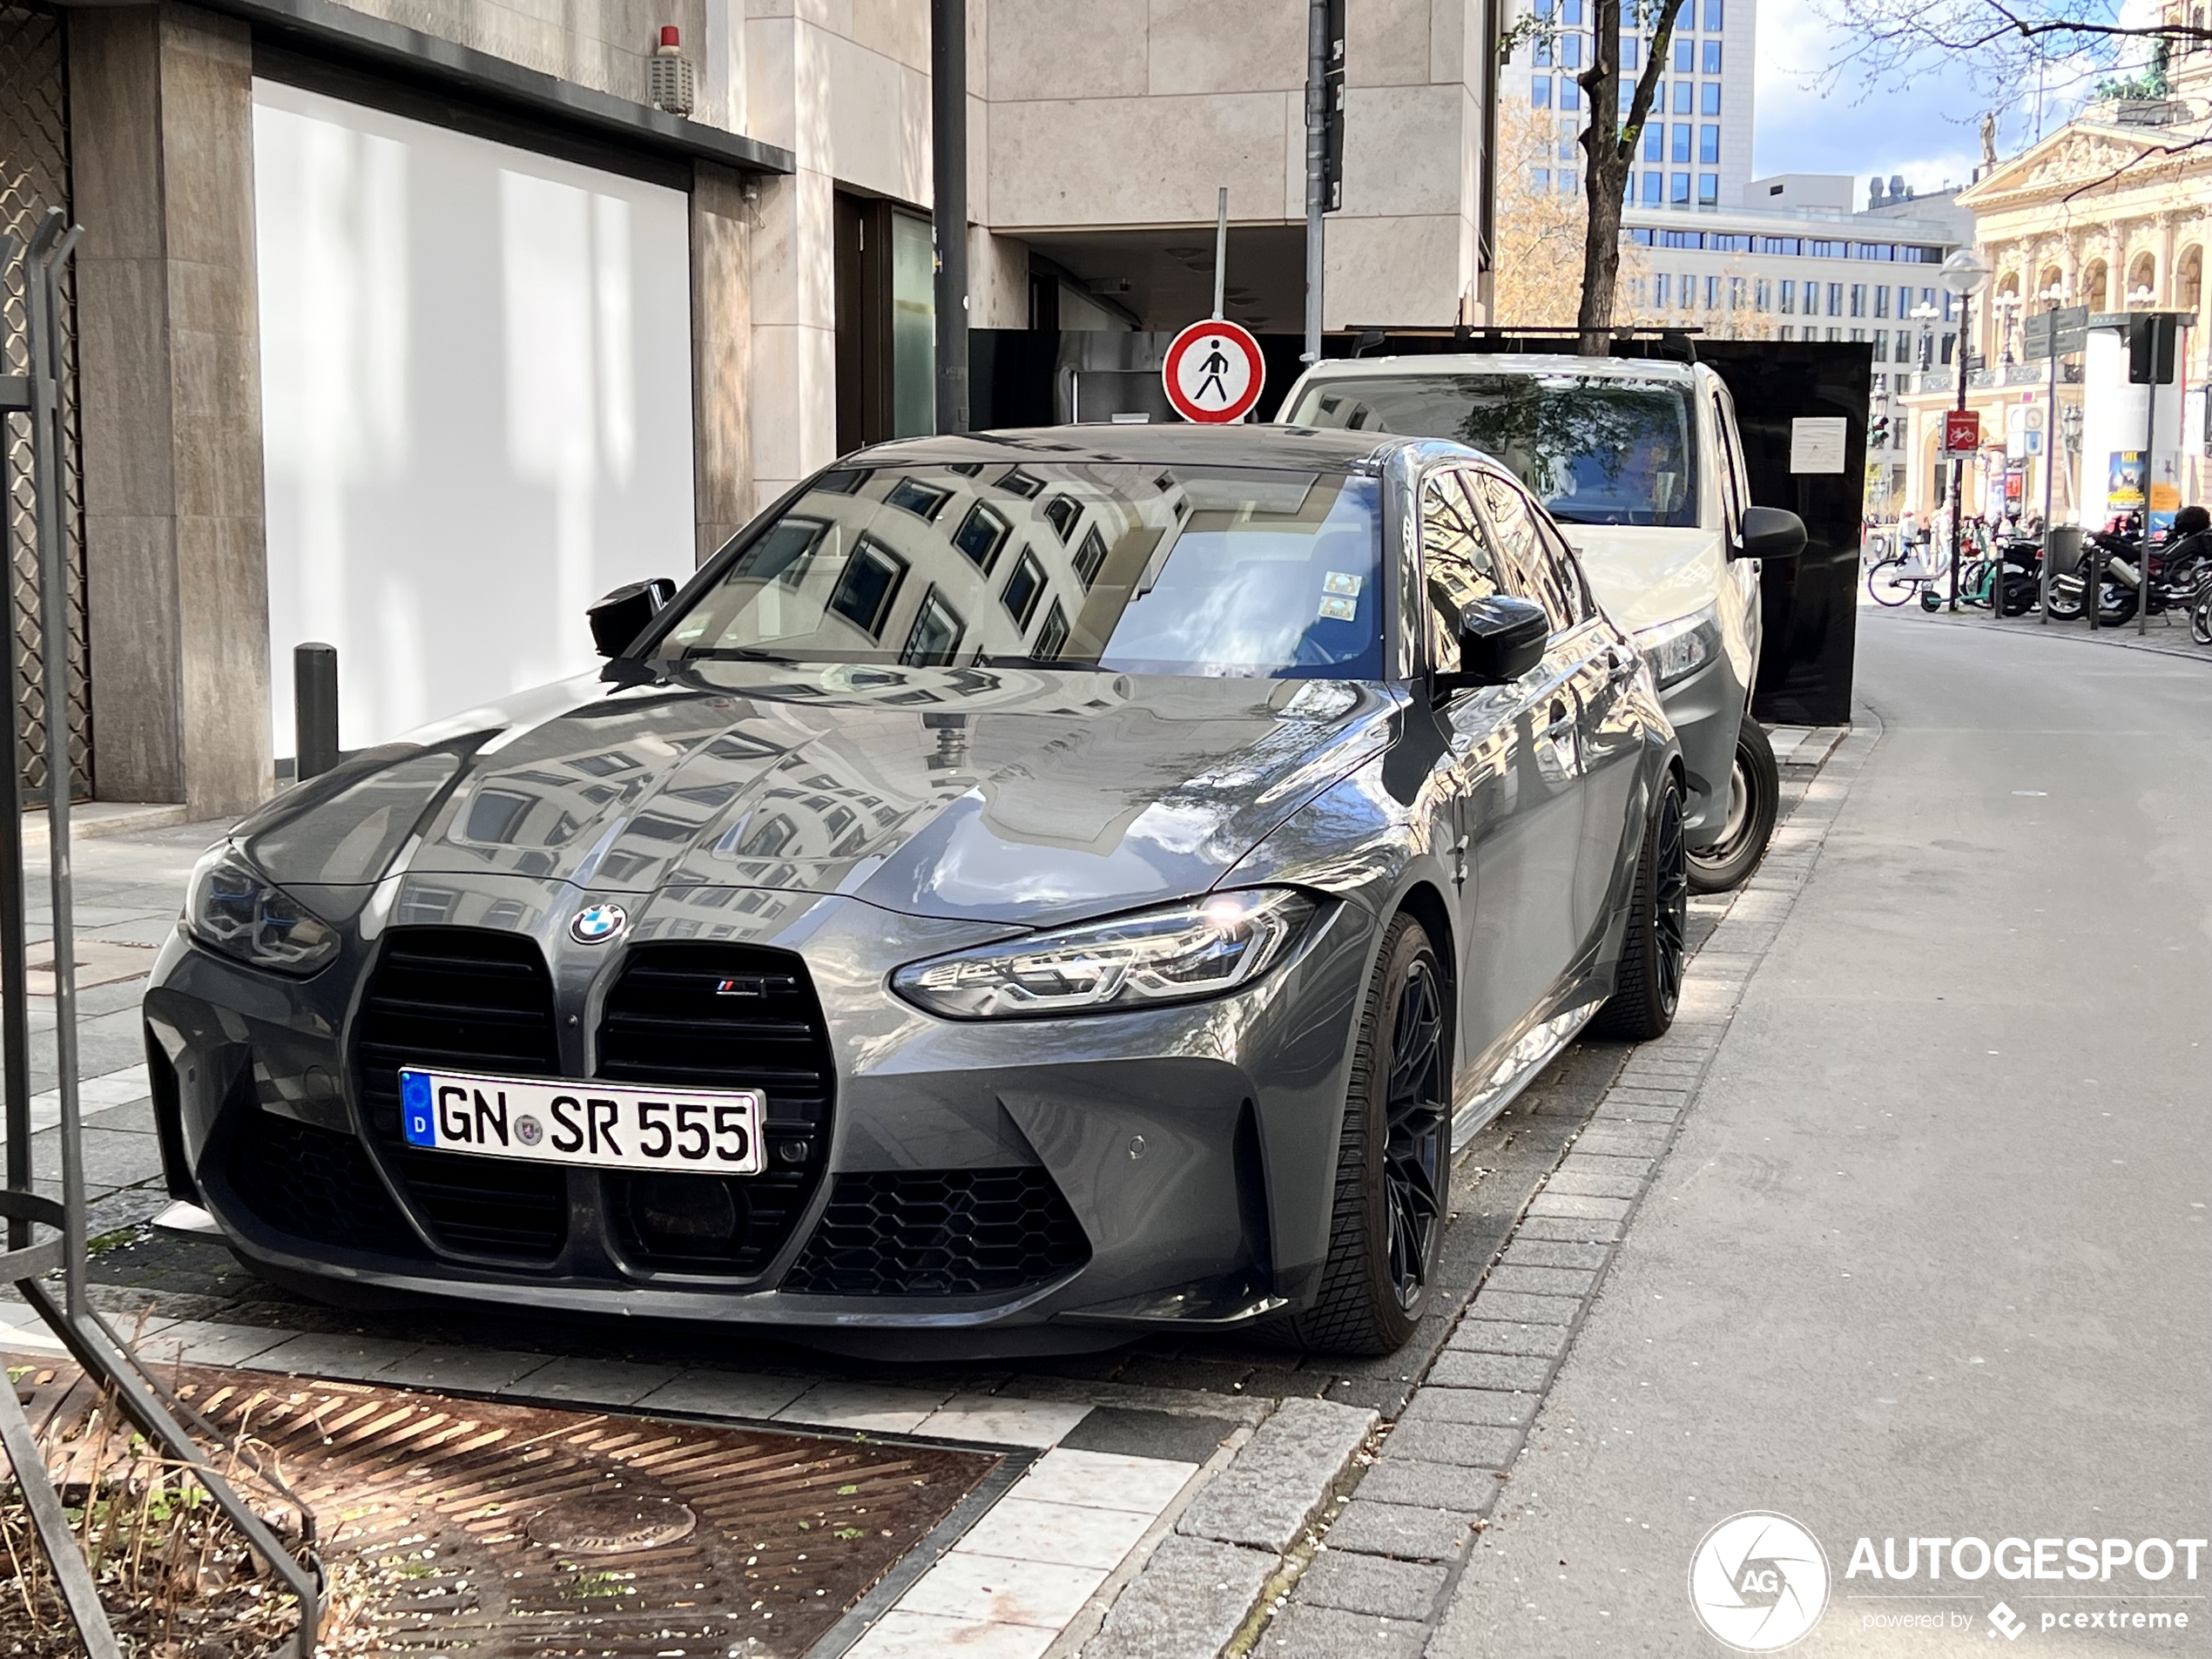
1644,576
1004,795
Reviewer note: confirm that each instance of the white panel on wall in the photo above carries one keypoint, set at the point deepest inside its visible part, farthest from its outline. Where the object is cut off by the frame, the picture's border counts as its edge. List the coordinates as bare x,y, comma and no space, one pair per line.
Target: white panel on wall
477,388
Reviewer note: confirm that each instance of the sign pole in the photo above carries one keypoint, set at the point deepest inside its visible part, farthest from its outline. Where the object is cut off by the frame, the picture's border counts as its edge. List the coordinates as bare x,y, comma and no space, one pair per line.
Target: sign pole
2150,465
2050,464
1958,465
1317,67
1220,252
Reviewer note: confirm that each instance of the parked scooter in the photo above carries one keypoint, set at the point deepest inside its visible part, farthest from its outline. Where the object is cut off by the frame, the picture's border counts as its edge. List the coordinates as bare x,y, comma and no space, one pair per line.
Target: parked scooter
2110,562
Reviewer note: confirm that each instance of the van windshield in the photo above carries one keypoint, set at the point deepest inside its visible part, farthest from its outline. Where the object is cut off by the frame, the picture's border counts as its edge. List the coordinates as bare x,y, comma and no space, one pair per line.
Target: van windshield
1595,449
1153,570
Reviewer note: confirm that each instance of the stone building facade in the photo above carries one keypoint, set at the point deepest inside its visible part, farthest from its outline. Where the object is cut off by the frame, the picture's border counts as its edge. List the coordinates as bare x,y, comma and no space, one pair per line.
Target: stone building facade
271,436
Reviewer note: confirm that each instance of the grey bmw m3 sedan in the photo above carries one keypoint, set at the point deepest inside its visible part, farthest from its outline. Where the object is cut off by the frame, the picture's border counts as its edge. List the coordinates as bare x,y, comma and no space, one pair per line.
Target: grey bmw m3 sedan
1026,890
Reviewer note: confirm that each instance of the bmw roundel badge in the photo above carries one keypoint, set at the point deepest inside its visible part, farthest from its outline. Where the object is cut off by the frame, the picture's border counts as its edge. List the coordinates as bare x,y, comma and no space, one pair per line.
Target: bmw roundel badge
598,923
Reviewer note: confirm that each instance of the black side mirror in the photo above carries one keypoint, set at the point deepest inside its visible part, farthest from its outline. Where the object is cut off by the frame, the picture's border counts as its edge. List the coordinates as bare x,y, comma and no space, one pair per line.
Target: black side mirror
1500,639
620,617
1769,533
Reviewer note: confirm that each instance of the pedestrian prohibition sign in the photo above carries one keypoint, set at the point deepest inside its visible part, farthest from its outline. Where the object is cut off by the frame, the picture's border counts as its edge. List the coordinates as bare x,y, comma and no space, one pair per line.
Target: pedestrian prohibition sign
1213,372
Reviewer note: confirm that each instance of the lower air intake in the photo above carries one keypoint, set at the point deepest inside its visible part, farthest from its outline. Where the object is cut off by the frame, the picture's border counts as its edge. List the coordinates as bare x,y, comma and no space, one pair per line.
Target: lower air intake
948,1233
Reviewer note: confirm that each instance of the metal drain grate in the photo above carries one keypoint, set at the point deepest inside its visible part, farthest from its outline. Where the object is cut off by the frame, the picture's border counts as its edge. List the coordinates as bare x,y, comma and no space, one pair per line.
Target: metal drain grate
502,1531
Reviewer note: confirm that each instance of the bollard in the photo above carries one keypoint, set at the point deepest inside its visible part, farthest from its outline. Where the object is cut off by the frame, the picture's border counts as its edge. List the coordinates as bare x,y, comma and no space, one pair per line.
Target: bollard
314,708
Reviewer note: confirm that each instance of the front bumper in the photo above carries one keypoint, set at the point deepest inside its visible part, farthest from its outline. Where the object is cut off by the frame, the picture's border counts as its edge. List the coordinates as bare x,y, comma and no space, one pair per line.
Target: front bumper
1056,1178
1706,708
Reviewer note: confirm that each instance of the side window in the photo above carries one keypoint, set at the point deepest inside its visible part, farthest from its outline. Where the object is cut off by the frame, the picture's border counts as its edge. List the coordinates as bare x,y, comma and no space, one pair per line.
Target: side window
1528,569
1567,570
1733,495
1456,566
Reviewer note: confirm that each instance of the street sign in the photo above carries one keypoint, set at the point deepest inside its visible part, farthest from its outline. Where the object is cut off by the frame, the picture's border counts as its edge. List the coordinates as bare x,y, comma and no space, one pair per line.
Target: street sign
1961,434
1213,372
2061,333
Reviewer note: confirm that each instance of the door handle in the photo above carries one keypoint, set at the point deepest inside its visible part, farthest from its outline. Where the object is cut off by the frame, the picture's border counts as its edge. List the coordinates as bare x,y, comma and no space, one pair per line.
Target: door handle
1561,729
1620,665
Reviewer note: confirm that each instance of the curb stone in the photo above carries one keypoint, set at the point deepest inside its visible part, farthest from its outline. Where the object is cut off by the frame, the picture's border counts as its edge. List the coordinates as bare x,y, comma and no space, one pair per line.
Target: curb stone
1447,1456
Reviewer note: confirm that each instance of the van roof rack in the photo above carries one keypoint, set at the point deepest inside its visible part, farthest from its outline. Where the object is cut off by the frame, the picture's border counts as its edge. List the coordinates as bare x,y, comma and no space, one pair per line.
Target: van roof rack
1628,339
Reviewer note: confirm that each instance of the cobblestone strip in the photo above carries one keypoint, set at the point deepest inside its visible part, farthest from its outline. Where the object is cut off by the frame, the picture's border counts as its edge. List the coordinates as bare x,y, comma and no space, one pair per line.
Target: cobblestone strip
1381,1573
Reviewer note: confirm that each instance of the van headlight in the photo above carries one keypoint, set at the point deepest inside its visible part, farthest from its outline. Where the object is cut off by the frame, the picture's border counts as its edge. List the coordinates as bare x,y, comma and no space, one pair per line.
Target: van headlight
1176,953
1680,647
233,908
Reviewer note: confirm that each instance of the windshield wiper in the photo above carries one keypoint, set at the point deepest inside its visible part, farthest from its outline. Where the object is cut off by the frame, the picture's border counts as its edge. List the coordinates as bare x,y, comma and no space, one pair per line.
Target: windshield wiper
733,653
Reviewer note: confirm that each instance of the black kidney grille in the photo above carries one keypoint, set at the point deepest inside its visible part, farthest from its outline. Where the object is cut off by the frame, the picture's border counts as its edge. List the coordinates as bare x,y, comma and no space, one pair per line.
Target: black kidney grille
946,1232
720,1016
315,1183
463,999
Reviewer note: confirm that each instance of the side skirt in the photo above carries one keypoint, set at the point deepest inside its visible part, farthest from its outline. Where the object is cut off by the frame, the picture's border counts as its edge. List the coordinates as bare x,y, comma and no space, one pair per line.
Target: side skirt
1542,1044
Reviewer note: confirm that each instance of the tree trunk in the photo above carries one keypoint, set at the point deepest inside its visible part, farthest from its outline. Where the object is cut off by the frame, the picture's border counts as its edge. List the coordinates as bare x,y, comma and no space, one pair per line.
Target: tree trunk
1609,142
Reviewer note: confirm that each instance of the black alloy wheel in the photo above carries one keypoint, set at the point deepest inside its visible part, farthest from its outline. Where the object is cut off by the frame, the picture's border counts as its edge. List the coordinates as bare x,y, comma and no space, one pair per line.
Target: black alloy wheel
1646,987
1754,804
1393,1160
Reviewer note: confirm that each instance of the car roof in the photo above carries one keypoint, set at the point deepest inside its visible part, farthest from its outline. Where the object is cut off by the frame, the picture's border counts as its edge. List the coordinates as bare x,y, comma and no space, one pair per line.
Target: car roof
1621,369
1290,448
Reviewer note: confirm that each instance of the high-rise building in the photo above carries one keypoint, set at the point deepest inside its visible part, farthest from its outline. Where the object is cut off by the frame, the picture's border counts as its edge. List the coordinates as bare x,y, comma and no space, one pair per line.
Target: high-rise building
1697,148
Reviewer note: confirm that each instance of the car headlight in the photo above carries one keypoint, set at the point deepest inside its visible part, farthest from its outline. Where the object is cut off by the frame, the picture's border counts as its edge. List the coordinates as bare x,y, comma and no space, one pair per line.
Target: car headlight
1174,954
1674,649
233,908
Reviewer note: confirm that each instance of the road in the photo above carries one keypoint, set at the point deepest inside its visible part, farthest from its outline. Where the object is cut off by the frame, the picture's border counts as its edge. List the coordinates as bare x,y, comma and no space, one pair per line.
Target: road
1931,1255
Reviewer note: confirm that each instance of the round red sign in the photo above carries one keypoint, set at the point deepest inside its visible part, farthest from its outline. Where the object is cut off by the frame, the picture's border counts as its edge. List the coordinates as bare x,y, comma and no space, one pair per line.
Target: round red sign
1213,372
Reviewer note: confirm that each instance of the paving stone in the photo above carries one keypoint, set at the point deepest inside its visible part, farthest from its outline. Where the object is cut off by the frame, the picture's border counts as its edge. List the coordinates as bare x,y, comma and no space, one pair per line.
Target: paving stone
1428,1486
1271,1489
1403,1531
1492,1336
1634,1112
1584,1182
1631,1094
1456,1369
1623,1142
1584,1206
1190,1599
1360,1583
1545,1252
1471,1446
1524,1310
1540,1281
1301,1631
1573,1229
1493,1408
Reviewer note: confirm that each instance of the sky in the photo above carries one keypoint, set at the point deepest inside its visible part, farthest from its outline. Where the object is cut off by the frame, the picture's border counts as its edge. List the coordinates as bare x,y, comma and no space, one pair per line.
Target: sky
1811,121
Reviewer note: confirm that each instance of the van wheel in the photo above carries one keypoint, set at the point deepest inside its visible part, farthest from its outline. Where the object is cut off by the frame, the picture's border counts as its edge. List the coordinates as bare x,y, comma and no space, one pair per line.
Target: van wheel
1394,1161
1754,802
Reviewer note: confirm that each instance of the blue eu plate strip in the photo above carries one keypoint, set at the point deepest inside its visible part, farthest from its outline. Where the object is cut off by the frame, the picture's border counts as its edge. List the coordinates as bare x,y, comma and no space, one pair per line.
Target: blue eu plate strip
414,1108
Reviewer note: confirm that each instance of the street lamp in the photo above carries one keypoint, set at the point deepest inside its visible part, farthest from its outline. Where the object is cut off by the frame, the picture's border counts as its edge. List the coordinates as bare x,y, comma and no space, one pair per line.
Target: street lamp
1962,275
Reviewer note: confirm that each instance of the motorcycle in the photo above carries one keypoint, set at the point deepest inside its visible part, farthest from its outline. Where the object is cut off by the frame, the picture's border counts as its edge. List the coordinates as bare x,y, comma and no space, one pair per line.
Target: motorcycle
2111,560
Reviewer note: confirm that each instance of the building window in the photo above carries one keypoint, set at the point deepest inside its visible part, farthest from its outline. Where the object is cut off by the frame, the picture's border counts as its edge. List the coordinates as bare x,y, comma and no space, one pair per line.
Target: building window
1950,344
1570,51
1630,47
1881,350
1789,331
1709,190
1789,297
1570,13
1662,284
1859,299
1685,97
1834,302
1539,92
1655,184
1567,180
1543,51
1835,333
1947,301
1655,143
1712,17
1710,64
1736,293
1627,96
1762,294
1903,304
1708,98
1540,180
1682,132
1678,190
1570,94
1712,294
1709,145
1882,300
1685,57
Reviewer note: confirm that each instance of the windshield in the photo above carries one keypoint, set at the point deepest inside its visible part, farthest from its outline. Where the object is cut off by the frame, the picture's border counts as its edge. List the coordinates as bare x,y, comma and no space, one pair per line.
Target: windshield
1595,450
1205,570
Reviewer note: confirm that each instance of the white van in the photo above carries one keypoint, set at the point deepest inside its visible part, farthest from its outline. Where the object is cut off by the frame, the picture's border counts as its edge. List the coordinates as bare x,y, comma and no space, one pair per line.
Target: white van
1641,464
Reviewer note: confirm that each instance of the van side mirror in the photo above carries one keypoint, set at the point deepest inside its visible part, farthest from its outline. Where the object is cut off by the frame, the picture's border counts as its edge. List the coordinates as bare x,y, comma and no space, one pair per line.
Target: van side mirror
620,617
1500,639
1769,533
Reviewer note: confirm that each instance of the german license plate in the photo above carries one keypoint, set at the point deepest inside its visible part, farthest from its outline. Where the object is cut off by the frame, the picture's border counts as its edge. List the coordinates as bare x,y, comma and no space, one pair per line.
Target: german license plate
549,1120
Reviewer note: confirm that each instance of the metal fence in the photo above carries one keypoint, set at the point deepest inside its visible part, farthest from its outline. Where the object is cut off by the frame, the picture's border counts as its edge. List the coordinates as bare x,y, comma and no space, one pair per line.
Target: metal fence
34,177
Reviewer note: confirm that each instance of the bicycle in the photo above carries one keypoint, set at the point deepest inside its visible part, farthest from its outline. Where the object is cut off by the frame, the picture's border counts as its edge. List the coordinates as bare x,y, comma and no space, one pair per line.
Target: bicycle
1895,580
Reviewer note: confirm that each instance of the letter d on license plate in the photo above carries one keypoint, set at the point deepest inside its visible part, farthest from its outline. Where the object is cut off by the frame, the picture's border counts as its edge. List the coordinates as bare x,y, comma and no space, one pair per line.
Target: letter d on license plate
550,1120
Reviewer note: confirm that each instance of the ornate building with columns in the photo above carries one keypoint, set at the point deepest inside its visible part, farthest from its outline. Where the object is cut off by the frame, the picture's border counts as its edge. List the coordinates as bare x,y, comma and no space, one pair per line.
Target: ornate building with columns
2113,211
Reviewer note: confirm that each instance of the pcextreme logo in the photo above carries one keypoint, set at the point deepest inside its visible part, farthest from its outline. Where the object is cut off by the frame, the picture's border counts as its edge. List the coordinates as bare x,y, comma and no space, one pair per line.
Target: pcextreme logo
1758,1581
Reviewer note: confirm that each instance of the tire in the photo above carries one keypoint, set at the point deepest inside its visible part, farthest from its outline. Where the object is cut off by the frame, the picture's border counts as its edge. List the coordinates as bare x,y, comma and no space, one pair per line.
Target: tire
1754,802
1930,601
2115,605
1647,988
1888,584
2201,621
2063,607
1393,1161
